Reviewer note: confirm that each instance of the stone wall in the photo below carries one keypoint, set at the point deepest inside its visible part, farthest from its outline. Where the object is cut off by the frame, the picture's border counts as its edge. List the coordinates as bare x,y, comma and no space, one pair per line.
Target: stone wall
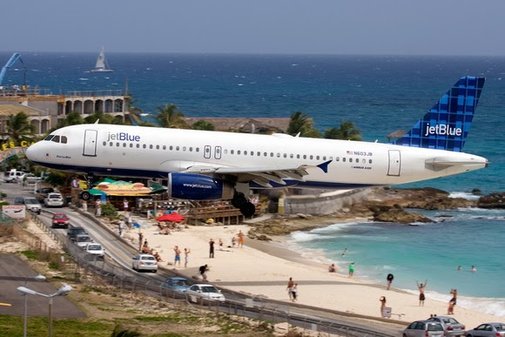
323,203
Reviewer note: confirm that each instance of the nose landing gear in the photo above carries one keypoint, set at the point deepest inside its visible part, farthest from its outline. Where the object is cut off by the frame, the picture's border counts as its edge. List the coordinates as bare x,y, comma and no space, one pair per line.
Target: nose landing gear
246,207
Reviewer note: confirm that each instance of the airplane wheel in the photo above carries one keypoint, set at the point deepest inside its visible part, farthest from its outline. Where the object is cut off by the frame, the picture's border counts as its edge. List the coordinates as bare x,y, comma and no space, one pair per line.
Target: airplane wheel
85,195
248,210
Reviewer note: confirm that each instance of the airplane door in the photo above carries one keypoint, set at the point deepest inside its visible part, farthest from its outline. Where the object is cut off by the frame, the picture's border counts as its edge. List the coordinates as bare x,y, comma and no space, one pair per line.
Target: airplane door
90,137
207,152
217,152
394,166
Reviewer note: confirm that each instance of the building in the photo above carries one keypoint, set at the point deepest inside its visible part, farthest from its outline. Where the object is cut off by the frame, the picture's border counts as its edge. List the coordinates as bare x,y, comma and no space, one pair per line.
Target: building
45,109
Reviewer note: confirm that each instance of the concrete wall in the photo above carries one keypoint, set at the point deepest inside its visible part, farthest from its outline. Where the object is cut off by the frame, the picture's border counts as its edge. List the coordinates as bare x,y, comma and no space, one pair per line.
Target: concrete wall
324,203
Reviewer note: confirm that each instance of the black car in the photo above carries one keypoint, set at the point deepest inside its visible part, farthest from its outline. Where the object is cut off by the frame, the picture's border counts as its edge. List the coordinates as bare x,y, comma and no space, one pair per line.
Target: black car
74,231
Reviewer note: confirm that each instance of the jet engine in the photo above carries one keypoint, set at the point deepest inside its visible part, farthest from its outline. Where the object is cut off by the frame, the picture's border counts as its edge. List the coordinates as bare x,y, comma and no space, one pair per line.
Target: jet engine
198,187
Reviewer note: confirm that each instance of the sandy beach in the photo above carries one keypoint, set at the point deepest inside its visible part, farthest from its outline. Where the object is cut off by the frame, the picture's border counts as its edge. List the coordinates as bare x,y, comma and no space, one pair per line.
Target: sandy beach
263,269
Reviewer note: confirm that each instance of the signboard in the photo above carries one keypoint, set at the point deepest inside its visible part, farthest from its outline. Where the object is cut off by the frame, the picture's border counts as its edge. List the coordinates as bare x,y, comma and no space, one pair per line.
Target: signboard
14,211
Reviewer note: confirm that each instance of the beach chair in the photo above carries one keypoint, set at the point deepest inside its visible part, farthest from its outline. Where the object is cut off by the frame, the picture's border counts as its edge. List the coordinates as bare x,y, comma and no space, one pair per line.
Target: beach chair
386,312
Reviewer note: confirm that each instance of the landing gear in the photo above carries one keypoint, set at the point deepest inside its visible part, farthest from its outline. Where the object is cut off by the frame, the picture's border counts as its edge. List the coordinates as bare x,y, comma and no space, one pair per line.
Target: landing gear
240,201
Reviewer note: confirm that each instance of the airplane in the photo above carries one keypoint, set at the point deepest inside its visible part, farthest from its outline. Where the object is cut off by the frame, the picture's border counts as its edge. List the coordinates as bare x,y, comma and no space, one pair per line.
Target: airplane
211,165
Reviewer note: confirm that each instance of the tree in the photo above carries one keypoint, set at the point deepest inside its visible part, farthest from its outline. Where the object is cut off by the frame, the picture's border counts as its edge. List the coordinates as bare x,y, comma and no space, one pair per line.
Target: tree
301,123
170,117
203,125
72,118
346,130
101,117
19,128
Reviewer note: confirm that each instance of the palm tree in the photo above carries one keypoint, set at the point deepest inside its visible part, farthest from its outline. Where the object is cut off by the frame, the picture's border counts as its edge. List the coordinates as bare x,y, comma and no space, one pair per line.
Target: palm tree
346,130
19,128
170,117
101,117
301,123
72,118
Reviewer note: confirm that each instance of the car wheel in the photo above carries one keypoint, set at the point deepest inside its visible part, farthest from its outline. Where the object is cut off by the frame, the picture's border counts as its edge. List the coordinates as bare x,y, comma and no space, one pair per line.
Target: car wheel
85,195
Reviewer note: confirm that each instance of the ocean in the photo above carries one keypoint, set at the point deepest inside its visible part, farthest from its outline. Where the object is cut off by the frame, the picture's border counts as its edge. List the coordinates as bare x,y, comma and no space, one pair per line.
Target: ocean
379,94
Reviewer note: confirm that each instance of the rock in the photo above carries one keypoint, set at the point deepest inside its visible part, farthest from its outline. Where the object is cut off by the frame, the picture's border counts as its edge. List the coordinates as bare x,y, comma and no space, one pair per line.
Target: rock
493,200
397,214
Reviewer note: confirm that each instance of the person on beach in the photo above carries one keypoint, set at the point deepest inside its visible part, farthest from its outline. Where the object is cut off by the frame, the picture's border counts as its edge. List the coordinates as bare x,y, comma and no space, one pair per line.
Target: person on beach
203,271
473,269
452,302
240,239
459,268
389,280
382,299
233,242
177,258
351,269
186,257
290,286
211,248
220,244
332,268
294,292
421,287
141,237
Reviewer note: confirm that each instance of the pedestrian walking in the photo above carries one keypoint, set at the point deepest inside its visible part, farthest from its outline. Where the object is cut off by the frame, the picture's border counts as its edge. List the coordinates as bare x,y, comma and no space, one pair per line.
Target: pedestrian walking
211,248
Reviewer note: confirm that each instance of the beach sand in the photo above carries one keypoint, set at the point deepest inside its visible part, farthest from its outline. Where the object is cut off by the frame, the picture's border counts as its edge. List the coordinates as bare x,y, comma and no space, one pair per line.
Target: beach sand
263,269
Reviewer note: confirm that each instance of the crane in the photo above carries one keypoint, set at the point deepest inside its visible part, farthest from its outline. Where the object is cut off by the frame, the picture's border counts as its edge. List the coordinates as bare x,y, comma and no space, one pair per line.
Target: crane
14,58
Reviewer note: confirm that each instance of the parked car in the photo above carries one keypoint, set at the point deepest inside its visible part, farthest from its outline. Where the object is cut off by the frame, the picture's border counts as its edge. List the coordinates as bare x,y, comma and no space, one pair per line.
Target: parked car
28,178
60,220
82,240
144,262
54,200
32,205
176,284
452,327
12,176
74,231
424,329
487,330
95,249
198,292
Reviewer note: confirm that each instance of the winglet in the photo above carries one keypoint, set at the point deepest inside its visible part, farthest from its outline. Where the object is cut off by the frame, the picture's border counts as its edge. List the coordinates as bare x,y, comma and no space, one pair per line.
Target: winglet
447,123
324,166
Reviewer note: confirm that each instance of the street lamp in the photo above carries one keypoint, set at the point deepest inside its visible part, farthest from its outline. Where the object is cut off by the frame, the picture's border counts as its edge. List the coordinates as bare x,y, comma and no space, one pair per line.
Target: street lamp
62,291
39,277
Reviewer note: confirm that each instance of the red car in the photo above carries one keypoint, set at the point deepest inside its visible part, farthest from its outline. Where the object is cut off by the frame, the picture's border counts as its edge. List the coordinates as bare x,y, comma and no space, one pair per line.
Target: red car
60,220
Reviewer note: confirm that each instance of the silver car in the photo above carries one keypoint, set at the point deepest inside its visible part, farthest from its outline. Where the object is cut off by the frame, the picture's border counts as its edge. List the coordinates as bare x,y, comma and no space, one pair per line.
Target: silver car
198,292
144,262
32,204
424,329
452,327
487,330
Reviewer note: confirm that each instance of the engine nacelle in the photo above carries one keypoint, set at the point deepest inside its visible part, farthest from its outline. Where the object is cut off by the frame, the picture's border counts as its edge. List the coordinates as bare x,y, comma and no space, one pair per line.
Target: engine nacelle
198,187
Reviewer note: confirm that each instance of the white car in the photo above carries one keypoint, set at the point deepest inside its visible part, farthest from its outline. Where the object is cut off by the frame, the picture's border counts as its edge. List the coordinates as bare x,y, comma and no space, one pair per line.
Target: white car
145,262
82,240
32,205
95,249
54,200
198,292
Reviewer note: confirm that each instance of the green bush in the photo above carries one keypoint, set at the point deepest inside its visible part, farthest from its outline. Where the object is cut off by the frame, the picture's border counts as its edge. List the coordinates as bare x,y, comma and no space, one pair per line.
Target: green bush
109,210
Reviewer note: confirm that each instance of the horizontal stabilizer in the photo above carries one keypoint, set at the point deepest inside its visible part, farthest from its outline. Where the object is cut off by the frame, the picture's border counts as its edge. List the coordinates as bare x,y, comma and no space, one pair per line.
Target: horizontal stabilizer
444,162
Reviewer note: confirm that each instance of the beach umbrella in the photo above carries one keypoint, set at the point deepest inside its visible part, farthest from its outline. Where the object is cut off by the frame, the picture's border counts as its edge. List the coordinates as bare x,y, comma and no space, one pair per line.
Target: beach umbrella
171,217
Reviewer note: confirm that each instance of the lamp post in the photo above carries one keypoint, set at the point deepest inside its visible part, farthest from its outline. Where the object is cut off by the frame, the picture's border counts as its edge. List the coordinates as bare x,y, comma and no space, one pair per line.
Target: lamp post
62,291
39,277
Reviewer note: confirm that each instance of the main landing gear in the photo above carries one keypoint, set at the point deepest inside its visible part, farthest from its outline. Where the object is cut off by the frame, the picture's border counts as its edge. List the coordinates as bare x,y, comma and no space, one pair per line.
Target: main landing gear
246,207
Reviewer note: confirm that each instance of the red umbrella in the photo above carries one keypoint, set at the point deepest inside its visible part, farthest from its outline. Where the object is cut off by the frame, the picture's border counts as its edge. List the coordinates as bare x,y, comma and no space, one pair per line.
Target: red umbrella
172,217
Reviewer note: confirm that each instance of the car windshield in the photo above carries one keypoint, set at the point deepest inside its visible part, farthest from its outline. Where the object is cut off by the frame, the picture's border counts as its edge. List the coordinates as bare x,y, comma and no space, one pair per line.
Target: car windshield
82,238
31,201
150,258
209,289
94,247
60,216
54,196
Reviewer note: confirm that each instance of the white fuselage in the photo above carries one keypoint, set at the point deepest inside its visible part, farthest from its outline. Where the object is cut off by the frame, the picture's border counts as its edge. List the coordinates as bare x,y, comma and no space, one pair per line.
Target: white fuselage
154,152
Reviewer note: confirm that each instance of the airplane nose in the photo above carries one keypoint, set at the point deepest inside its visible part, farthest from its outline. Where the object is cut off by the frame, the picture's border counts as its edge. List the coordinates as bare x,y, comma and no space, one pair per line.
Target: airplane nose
30,152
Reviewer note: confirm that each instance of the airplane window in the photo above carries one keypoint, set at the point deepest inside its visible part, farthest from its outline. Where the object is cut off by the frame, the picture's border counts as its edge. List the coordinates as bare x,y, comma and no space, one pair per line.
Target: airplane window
164,147
330,158
56,139
150,146
111,144
138,146
297,156
104,143
64,139
278,155
311,157
232,151
363,161
343,159
124,144
49,137
157,147
176,148
265,154
271,154
304,156
117,144
190,149
285,155
369,161
131,145
291,155
350,160
238,151
337,158
183,148
317,157
252,153
226,151
197,149
258,154
171,148
144,146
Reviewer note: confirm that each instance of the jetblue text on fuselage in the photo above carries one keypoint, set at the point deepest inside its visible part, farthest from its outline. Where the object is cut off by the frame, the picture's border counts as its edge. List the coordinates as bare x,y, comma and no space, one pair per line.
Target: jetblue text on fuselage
442,130
124,136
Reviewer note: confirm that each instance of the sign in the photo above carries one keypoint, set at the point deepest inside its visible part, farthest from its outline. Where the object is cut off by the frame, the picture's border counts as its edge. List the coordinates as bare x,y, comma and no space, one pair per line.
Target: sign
14,211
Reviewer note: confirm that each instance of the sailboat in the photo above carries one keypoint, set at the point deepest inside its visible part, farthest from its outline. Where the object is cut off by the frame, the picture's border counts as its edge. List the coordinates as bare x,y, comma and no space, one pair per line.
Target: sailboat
101,63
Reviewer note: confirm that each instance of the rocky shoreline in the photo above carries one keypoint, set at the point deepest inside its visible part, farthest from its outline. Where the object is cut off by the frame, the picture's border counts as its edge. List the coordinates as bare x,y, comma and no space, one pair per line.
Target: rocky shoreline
382,204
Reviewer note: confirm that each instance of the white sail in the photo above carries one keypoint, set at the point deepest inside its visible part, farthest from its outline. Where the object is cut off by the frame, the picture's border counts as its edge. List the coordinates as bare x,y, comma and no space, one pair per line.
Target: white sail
101,63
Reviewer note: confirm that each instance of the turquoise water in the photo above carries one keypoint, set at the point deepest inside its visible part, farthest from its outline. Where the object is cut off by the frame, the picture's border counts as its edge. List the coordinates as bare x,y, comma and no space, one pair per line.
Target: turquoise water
379,94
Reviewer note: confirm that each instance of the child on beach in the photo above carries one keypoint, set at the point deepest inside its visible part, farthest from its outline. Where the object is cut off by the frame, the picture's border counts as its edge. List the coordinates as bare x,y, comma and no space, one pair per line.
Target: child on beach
351,269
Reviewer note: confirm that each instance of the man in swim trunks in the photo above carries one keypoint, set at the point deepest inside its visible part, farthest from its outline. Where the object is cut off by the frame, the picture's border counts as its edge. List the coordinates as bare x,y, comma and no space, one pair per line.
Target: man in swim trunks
177,259
421,287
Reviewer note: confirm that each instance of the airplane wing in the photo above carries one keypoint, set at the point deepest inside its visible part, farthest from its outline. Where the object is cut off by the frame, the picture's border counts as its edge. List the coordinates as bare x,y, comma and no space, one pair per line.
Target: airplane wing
263,176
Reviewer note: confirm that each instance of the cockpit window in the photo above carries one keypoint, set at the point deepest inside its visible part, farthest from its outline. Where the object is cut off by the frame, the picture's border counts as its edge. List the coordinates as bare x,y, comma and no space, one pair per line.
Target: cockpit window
64,139
49,137
56,139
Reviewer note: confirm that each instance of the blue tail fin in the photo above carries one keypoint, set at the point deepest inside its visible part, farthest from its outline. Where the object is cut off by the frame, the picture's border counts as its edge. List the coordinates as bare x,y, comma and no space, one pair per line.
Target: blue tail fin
447,124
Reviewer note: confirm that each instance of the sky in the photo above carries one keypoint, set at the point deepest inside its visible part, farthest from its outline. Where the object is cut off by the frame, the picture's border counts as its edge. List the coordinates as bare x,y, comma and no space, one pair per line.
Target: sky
376,27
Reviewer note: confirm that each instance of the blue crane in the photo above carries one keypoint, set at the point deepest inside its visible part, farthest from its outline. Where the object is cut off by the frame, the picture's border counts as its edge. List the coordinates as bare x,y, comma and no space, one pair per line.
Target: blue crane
14,58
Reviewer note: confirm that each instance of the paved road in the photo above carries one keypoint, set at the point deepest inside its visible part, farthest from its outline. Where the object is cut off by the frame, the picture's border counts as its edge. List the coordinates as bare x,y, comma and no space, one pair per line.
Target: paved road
13,273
